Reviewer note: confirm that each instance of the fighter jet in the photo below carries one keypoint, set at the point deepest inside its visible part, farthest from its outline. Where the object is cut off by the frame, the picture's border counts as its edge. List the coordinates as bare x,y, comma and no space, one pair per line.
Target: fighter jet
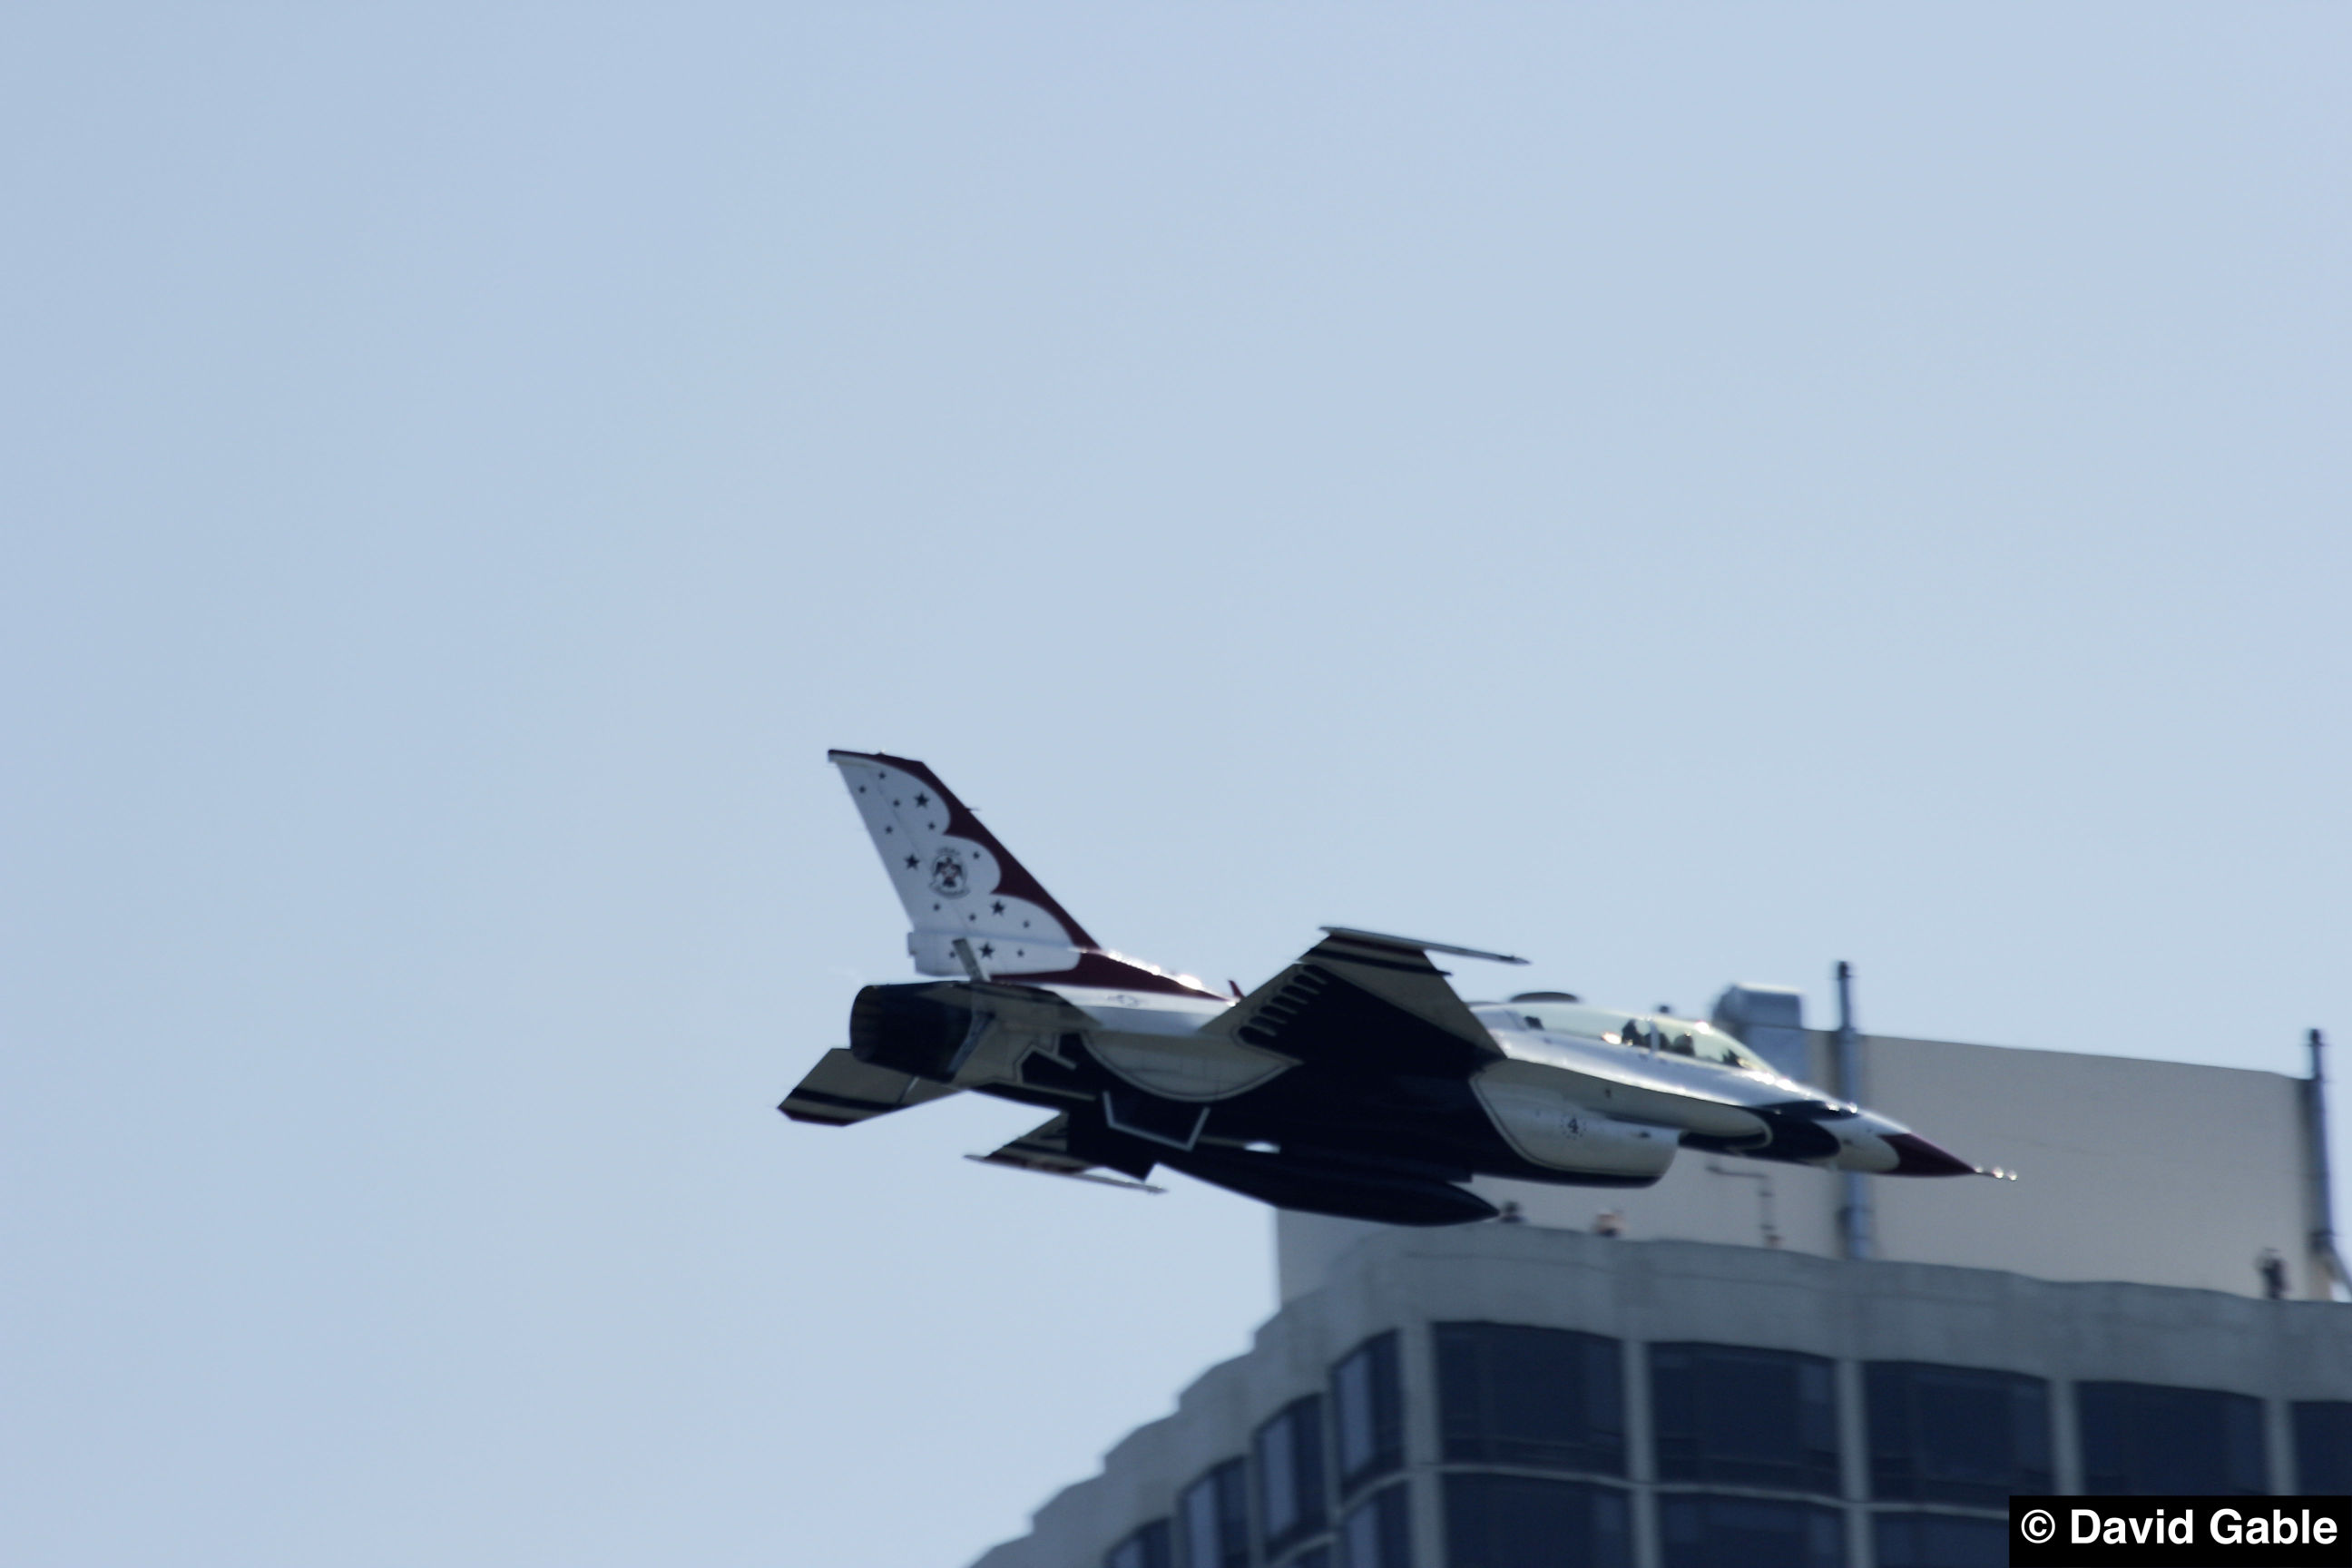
1355,1083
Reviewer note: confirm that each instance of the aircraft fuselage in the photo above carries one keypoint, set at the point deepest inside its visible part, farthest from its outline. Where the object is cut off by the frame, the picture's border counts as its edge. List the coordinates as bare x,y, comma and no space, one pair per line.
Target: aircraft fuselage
1354,1082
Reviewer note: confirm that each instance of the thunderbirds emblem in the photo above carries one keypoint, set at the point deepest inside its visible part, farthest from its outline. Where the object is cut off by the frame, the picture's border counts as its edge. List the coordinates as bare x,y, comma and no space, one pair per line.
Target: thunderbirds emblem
949,878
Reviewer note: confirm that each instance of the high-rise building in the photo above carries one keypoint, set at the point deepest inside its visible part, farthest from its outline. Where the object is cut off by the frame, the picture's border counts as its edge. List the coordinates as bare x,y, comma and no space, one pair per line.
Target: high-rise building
1735,1368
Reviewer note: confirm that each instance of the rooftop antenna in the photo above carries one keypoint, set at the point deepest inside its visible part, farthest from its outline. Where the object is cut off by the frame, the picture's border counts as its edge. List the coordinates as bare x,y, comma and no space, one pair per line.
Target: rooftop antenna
1854,1229
2327,1265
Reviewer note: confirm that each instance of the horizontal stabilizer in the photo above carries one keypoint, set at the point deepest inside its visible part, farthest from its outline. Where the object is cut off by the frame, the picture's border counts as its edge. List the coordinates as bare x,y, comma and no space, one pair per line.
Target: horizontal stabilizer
1046,1150
841,1089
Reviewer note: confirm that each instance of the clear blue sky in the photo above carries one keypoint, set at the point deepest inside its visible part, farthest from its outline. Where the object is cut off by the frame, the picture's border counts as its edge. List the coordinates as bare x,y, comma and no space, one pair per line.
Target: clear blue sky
1688,493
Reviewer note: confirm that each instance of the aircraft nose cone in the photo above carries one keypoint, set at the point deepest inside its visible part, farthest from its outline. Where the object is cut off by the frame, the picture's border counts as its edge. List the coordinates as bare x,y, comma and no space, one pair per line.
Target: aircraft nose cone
1914,1156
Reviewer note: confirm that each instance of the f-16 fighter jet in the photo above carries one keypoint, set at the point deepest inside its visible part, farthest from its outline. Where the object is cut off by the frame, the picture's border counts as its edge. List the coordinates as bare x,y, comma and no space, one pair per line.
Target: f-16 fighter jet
1355,1083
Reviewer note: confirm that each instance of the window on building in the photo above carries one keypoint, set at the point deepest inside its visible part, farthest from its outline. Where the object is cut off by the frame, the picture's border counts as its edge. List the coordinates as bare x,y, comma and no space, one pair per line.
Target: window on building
1541,1397
1939,1540
1147,1548
1214,1516
2153,1441
1750,1417
1950,1433
1520,1521
1368,1411
1313,1557
1378,1533
1289,1450
1702,1531
2323,1449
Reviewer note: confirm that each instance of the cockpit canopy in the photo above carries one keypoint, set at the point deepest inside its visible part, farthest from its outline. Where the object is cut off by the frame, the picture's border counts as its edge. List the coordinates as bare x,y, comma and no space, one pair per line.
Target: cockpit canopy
1660,1032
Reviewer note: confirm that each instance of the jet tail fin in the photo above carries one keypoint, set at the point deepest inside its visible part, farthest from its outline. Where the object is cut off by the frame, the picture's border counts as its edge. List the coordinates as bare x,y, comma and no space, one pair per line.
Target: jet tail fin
975,910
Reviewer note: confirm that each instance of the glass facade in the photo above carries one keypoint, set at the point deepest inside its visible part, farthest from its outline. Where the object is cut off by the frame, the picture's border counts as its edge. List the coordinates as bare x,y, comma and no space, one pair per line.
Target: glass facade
2150,1440
1214,1516
1746,1417
1950,1433
1378,1532
1368,1408
1939,1540
1731,1426
1529,1522
2323,1449
1697,1530
1147,1548
1545,1398
1289,1454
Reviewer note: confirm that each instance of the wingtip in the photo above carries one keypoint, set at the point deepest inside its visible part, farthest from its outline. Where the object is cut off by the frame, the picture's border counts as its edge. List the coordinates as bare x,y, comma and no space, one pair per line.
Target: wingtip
1357,933
1122,1183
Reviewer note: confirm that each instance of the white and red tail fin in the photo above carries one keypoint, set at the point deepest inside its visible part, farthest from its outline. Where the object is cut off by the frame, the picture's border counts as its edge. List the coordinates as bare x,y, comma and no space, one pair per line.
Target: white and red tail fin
958,883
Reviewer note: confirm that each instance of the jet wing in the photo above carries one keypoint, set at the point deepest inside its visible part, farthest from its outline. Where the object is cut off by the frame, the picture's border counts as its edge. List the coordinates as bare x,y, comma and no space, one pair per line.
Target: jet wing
841,1090
1046,1150
1366,1000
